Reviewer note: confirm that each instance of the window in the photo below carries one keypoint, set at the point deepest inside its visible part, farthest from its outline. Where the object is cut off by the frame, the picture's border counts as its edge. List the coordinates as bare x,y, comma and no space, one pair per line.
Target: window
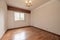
18,16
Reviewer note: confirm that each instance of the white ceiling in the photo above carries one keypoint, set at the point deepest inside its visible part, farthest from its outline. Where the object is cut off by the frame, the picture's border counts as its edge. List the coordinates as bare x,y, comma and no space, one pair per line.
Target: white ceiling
21,3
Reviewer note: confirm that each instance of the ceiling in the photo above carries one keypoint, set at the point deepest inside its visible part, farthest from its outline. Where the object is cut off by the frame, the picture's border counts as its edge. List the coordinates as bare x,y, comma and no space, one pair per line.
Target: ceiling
21,3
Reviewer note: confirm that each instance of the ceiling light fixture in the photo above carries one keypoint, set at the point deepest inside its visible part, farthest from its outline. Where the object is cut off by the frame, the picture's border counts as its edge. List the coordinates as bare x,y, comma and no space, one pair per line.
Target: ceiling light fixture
28,3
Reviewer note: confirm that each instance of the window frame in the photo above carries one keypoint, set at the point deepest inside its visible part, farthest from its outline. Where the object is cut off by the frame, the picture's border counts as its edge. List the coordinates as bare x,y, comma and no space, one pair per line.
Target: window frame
19,19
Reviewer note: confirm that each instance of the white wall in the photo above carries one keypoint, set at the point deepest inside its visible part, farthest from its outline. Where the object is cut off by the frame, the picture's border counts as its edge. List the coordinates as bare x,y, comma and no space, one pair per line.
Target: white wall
14,24
47,16
3,10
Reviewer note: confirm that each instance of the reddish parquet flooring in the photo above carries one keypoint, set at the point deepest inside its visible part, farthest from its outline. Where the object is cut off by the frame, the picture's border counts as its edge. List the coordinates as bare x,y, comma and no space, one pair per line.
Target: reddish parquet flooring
28,33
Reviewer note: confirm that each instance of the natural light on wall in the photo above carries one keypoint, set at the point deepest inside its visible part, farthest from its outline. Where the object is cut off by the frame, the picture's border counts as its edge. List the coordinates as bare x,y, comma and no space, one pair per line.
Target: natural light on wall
18,16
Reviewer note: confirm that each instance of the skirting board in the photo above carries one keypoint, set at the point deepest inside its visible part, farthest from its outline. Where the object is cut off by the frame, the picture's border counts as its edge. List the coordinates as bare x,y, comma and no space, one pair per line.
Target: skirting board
13,29
3,35
34,27
47,31
18,27
37,28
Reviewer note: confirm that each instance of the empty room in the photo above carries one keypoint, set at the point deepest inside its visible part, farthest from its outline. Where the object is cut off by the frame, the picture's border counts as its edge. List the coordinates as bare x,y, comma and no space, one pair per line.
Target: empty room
29,19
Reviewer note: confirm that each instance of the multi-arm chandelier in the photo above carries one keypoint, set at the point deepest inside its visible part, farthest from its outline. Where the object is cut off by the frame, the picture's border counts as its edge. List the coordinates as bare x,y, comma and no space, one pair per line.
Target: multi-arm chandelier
28,3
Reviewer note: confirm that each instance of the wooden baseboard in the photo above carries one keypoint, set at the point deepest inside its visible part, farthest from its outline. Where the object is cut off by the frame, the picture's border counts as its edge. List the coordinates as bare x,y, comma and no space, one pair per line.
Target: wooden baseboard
34,27
37,28
47,31
3,34
13,29
18,28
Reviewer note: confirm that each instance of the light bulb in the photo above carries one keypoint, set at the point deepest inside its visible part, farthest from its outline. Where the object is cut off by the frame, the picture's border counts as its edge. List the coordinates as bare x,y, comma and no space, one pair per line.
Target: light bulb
29,1
26,2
